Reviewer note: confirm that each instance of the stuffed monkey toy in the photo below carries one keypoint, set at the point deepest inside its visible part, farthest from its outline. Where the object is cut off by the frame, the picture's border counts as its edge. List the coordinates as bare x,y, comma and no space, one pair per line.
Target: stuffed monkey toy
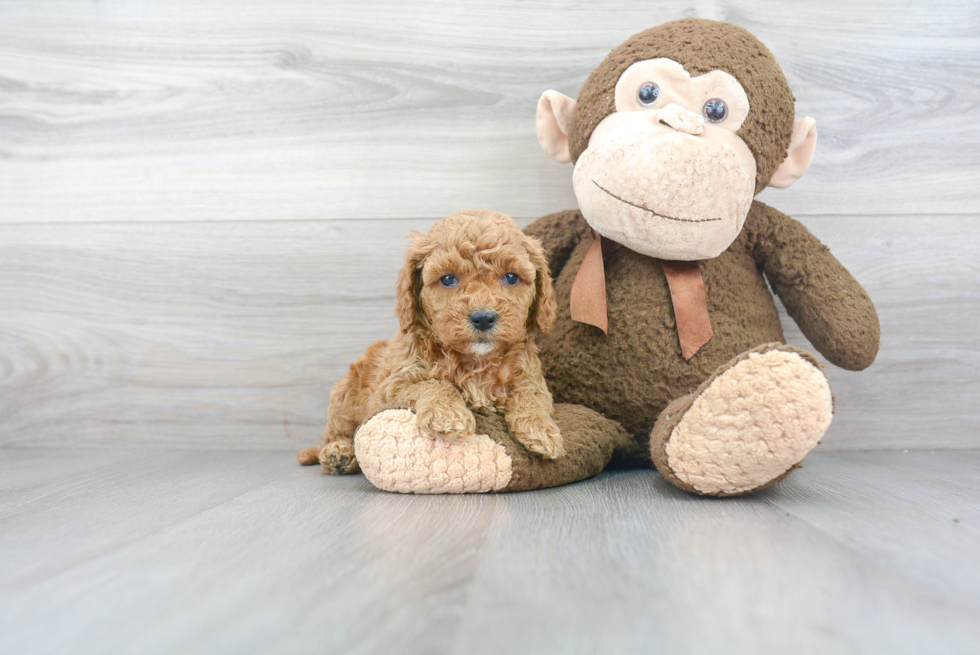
667,348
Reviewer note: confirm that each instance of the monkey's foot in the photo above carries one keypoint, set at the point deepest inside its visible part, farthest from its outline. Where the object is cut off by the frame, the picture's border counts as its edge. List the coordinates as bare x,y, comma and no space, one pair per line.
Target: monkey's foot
337,458
747,426
397,454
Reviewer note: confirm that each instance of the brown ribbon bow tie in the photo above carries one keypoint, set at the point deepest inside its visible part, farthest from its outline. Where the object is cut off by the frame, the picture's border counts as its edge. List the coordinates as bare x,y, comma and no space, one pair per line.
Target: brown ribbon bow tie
588,301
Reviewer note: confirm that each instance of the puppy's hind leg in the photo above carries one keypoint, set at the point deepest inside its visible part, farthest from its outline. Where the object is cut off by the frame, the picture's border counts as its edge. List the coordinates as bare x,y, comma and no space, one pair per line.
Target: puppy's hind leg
337,458
348,400
336,455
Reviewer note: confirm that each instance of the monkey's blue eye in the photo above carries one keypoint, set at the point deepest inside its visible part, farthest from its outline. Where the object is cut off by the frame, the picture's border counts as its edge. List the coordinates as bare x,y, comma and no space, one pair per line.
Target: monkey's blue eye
715,110
448,281
511,279
648,94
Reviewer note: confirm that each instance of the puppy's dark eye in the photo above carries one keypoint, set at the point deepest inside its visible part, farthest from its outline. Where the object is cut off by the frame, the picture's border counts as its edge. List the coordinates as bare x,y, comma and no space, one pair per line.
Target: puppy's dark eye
511,279
448,281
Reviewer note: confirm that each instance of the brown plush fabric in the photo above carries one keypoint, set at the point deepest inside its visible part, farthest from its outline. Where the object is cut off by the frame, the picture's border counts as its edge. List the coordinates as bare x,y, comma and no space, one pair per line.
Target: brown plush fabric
590,440
560,233
700,46
632,374
831,308
677,408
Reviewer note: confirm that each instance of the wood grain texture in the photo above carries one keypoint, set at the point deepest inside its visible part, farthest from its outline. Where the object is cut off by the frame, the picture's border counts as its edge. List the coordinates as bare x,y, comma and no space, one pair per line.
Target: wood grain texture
232,333
856,552
192,111
46,501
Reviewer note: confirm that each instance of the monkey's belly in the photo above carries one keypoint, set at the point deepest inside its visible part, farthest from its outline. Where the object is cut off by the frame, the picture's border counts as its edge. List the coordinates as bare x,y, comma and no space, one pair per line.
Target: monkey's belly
632,373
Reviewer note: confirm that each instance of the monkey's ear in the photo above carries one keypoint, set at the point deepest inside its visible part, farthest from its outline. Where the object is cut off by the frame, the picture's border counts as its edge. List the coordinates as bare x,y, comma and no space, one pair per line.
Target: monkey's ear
554,121
799,154
408,304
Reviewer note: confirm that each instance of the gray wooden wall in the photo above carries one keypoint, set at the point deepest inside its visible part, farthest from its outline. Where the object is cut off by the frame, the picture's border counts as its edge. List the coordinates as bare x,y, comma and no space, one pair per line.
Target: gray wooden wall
203,204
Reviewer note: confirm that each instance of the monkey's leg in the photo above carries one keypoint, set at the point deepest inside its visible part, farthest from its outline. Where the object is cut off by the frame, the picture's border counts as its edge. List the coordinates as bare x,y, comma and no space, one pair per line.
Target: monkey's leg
749,425
397,455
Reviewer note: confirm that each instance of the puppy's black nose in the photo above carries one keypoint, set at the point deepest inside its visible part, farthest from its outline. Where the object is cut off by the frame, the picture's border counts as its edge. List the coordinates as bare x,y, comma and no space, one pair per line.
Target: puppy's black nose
483,320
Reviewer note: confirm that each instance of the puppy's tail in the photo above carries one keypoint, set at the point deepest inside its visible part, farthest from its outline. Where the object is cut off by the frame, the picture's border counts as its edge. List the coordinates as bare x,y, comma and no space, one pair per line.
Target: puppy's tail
309,456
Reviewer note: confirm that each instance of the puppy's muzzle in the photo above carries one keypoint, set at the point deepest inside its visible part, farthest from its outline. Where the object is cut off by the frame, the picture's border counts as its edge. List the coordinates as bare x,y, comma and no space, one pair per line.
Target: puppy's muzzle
483,320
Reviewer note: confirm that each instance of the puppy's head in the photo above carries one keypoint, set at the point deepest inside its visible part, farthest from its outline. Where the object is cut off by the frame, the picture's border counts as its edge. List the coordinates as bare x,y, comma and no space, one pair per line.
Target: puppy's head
476,284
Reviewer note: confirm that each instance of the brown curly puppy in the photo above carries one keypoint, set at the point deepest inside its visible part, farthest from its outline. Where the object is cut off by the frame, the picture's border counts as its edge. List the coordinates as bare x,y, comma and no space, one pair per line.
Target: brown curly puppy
470,296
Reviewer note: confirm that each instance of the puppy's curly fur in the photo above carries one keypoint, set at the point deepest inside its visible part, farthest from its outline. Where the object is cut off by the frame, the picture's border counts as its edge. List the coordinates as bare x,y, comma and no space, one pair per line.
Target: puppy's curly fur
440,364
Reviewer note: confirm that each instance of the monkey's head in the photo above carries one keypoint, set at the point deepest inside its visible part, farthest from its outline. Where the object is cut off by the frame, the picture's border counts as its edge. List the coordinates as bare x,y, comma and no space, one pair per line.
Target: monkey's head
674,134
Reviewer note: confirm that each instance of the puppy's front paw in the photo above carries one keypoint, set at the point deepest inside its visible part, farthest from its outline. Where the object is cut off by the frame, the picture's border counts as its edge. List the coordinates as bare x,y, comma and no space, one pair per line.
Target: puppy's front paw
542,437
447,419
337,458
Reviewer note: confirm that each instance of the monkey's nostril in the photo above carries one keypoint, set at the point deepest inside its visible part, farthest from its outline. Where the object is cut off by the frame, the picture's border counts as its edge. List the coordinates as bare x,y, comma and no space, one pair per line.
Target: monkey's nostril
483,321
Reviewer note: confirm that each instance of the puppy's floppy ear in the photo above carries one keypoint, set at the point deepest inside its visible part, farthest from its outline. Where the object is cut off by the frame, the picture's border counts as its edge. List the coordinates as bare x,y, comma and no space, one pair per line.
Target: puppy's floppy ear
408,304
545,306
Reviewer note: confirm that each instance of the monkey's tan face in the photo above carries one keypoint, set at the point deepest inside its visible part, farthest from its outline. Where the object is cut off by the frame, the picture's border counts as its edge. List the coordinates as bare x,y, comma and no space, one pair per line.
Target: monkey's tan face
666,175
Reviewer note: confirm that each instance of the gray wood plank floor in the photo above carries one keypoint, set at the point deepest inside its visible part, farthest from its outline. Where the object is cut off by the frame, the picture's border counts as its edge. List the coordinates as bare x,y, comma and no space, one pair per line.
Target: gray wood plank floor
164,551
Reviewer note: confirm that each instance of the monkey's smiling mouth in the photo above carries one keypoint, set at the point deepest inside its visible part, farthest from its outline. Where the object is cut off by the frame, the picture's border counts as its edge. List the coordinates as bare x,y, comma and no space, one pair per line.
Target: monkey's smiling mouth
646,209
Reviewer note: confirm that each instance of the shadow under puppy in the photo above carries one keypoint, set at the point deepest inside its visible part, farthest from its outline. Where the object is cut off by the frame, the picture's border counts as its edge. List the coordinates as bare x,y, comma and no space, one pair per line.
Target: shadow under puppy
470,297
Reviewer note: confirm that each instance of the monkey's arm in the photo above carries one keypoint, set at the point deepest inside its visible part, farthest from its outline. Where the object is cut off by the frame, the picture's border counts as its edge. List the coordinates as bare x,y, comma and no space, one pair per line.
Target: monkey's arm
831,308
559,233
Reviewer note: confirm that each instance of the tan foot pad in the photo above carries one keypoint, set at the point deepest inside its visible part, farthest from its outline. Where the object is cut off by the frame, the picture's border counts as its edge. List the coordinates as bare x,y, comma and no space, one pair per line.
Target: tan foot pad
397,455
752,423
